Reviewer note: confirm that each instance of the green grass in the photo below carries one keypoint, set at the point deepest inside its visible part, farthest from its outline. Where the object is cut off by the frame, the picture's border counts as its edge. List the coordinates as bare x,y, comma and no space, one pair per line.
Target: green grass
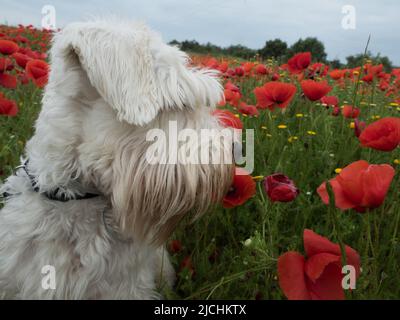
240,271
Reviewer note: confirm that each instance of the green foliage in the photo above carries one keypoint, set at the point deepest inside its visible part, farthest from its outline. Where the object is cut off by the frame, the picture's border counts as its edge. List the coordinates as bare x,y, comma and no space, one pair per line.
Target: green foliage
335,64
313,45
274,49
193,46
246,269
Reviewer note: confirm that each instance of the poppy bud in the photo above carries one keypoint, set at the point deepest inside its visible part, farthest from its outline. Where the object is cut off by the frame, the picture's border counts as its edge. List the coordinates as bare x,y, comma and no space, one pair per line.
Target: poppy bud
280,188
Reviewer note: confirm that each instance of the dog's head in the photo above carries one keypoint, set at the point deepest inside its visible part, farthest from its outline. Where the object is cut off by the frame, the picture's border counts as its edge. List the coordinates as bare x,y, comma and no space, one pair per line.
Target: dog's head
114,82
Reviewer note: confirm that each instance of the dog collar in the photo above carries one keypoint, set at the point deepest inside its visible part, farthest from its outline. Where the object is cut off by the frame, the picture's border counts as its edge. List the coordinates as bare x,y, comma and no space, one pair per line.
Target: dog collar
54,194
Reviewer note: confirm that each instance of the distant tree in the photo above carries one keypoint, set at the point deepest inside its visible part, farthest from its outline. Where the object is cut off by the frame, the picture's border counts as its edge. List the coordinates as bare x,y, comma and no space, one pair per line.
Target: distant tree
191,45
336,64
357,60
174,43
273,49
239,51
387,64
313,45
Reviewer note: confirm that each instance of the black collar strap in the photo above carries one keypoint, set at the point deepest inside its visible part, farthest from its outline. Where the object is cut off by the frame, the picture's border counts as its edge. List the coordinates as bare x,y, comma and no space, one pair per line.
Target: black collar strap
54,194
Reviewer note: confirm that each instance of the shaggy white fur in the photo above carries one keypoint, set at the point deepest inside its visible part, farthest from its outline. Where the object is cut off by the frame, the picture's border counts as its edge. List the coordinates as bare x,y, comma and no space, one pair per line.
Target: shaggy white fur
110,82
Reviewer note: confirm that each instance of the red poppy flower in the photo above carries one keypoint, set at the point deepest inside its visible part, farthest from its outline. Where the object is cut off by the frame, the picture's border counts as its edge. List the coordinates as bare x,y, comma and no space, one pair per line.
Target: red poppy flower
230,86
318,69
8,47
239,71
350,112
5,63
21,59
384,85
359,186
337,74
227,119
330,100
230,72
319,277
8,107
187,264
247,67
38,71
212,63
242,189
232,97
274,94
314,90
223,67
175,246
280,188
8,81
359,126
299,62
383,135
371,72
248,109
275,77
368,78
336,111
261,69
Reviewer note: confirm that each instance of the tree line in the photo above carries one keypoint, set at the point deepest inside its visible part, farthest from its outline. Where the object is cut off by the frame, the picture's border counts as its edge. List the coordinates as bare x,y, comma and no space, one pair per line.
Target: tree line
280,51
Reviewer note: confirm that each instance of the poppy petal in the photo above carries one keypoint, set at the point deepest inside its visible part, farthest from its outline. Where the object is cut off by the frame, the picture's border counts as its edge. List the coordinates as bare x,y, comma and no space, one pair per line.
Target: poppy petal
316,264
291,276
376,183
8,81
341,201
329,284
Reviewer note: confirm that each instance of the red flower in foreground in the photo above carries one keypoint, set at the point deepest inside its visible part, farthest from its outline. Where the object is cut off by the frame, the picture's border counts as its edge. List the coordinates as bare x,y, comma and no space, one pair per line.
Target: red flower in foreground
227,119
230,86
8,47
337,74
8,107
8,81
232,94
242,189
38,71
359,186
248,109
5,63
239,71
319,276
383,134
314,90
261,69
274,94
350,112
299,62
21,59
330,100
280,188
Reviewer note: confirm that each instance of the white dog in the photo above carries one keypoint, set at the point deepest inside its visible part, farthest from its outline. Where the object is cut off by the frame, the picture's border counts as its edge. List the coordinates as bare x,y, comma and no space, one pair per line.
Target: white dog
86,205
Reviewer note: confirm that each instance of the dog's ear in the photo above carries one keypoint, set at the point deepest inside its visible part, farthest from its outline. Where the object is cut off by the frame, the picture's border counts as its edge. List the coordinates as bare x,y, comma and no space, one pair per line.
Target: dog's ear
131,69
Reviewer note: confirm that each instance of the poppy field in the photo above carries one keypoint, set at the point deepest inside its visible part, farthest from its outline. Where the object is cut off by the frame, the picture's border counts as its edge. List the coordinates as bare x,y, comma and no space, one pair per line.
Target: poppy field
324,192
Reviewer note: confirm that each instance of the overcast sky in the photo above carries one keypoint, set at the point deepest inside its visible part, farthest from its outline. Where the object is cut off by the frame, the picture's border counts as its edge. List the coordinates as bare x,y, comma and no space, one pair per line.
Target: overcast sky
247,22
